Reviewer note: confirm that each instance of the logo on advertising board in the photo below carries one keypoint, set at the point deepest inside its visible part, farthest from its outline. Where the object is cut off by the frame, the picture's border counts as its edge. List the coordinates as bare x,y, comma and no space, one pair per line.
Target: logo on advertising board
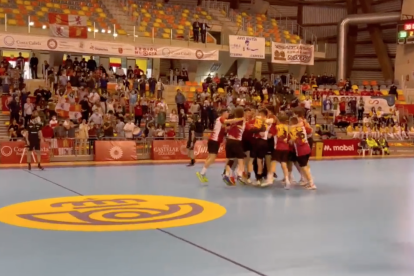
11,152
340,147
120,50
52,44
115,151
199,54
166,52
8,41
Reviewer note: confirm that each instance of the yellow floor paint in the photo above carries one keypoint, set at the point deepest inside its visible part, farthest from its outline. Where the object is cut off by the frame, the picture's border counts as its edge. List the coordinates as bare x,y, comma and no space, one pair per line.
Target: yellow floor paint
110,213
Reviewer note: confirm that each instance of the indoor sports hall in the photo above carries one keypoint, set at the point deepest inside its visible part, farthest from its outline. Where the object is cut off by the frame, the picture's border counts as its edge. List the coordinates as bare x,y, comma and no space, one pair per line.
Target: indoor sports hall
160,220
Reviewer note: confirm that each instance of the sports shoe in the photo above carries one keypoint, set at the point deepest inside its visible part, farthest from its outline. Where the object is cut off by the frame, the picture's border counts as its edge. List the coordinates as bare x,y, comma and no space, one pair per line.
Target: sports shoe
29,166
266,182
310,187
226,180
232,180
201,177
40,167
287,186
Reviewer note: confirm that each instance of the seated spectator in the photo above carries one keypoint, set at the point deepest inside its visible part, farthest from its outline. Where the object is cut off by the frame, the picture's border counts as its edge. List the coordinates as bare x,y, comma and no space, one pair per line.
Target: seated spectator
373,145
382,142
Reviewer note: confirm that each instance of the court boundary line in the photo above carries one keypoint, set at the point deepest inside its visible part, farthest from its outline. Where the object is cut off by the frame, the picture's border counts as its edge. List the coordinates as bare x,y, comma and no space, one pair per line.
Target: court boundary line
165,232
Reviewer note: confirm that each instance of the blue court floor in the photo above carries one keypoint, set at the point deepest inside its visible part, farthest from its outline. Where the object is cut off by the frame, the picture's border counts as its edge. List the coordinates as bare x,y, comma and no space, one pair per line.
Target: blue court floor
360,221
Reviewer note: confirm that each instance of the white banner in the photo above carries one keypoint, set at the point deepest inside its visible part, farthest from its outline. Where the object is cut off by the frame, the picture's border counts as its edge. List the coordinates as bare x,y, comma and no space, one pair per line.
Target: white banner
247,46
331,104
285,53
96,47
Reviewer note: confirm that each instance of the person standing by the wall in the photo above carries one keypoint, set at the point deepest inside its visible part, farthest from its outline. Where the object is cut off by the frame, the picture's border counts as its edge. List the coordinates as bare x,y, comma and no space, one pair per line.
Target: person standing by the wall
204,28
34,62
196,30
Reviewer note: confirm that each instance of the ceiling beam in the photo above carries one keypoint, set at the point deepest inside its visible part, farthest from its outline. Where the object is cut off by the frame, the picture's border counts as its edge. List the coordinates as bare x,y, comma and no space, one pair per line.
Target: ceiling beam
379,45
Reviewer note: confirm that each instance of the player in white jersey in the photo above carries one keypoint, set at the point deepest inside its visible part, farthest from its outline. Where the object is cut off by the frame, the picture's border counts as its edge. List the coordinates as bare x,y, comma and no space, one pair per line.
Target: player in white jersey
215,140
234,148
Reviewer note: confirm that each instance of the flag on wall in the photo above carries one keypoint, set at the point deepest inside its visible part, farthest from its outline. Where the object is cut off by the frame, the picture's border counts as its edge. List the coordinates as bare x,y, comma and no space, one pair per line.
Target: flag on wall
68,25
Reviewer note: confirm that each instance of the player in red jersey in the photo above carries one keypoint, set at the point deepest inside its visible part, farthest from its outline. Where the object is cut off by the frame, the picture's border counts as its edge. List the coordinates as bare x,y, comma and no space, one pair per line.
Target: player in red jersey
260,145
300,142
271,122
281,153
215,140
234,148
248,140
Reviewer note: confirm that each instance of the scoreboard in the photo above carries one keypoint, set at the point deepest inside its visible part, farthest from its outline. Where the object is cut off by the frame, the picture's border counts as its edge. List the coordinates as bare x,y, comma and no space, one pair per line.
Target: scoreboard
405,32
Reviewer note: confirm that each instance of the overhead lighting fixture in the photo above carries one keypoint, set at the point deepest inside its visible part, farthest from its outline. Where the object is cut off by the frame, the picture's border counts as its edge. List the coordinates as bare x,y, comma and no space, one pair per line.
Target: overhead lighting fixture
89,30
115,35
31,23
109,31
96,30
44,27
103,31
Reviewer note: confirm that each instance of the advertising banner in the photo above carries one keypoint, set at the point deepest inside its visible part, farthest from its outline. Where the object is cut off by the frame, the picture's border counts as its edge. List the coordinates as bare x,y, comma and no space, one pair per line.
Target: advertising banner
177,150
334,104
286,53
12,153
96,47
340,147
247,46
115,151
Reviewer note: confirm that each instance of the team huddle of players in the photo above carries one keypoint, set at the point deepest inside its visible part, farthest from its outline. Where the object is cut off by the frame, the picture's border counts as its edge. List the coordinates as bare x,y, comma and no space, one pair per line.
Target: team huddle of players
256,140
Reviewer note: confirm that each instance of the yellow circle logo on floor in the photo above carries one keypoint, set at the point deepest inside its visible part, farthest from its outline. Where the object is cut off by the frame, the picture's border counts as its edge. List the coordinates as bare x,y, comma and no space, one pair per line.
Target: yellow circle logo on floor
110,213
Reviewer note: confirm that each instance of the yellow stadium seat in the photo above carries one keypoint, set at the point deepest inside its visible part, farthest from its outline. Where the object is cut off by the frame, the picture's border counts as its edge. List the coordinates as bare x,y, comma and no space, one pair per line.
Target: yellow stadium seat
147,34
27,3
81,13
400,92
144,11
180,27
134,5
187,23
192,89
336,92
40,13
2,15
121,32
102,15
159,5
7,123
158,20
147,15
141,29
186,11
203,13
85,8
165,35
167,31
384,92
56,6
286,32
19,2
180,32
4,1
49,5
195,16
135,13
161,12
99,10
208,17
29,8
11,21
66,11
89,23
354,87
184,15
268,43
143,23
156,24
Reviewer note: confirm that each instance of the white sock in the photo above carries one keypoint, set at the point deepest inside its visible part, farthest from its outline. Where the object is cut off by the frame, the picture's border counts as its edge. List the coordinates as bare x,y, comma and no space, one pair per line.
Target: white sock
203,170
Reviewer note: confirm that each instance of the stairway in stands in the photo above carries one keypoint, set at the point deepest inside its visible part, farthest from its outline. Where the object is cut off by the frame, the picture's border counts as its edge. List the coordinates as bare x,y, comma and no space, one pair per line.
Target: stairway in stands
3,127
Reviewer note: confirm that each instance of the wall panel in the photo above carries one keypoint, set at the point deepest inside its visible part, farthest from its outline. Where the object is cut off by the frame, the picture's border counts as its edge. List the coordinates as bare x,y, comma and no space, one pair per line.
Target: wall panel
315,15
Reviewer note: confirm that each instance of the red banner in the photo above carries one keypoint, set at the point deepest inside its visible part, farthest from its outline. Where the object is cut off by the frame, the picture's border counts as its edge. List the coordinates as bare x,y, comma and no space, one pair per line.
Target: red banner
6,99
115,151
340,147
177,150
11,153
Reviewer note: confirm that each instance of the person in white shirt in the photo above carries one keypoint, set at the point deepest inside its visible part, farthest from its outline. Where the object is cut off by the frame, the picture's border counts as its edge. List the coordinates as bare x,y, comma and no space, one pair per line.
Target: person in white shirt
28,110
119,73
83,136
119,128
129,129
94,97
98,108
163,105
96,118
